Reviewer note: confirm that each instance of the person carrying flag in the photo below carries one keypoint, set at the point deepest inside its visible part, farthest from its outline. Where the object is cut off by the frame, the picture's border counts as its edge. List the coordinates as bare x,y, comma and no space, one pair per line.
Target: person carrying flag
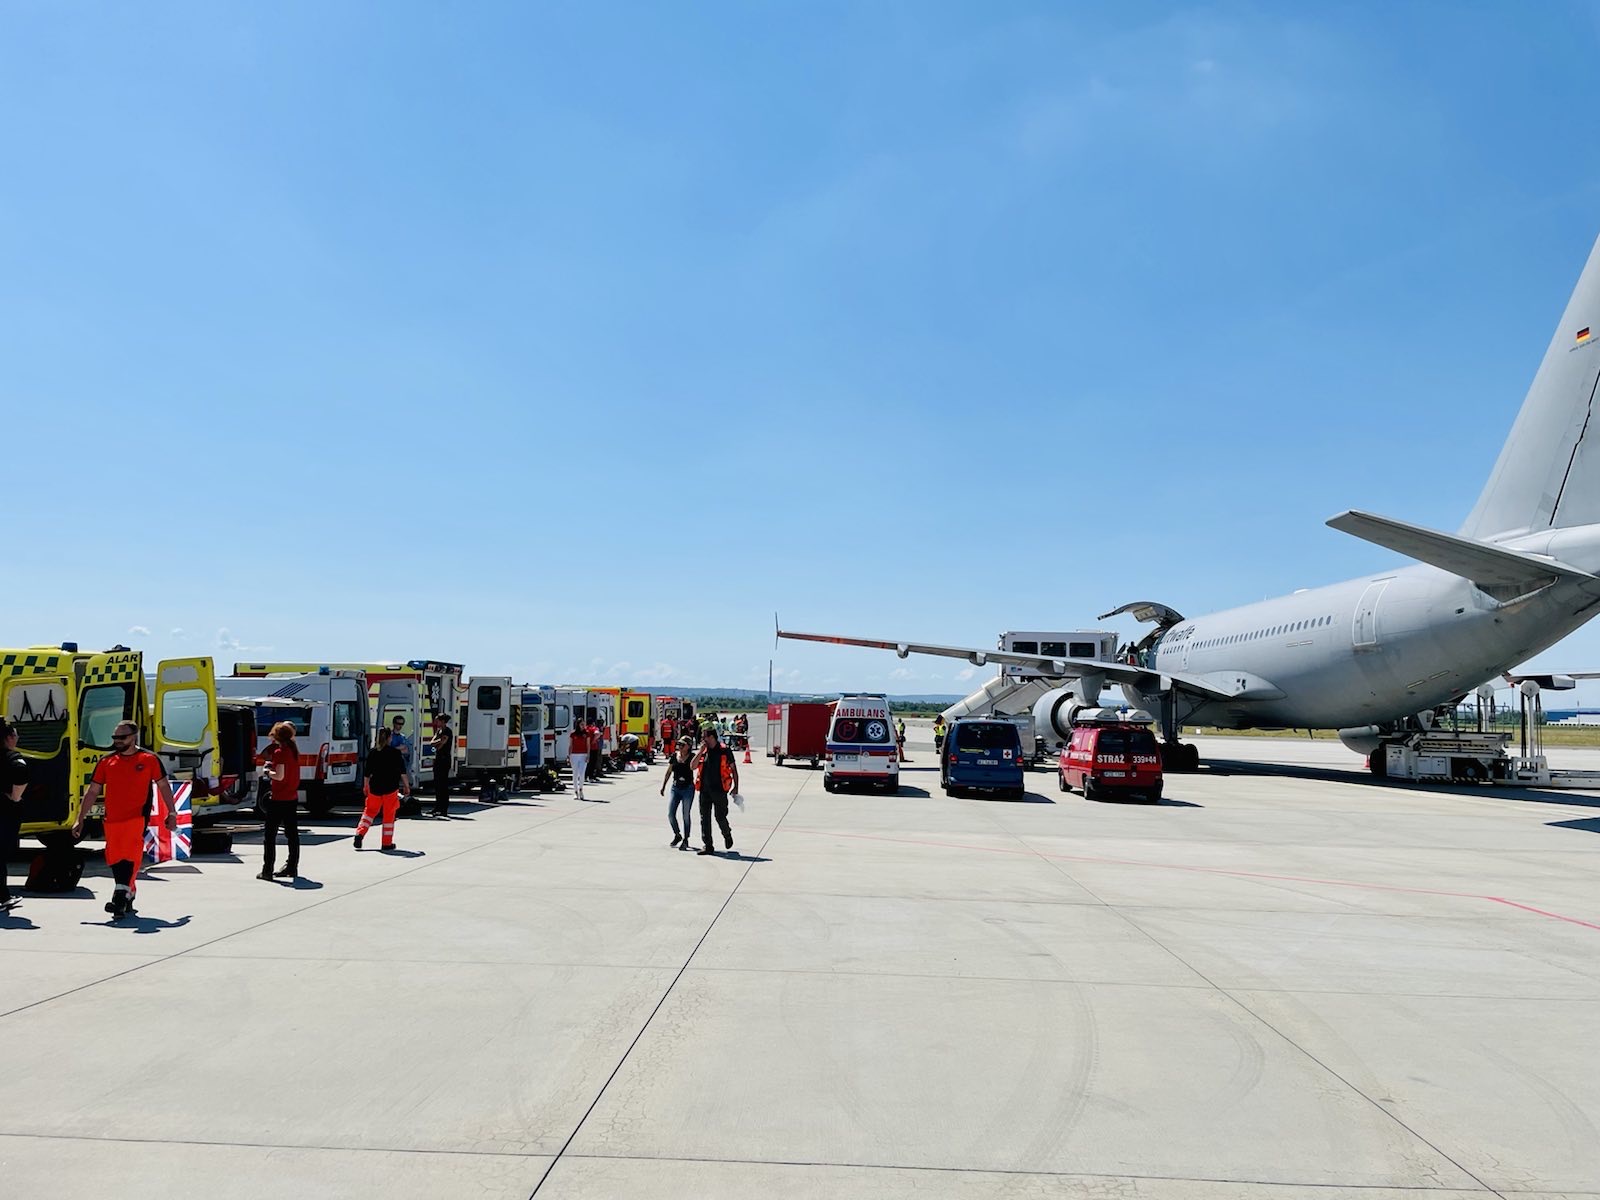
124,777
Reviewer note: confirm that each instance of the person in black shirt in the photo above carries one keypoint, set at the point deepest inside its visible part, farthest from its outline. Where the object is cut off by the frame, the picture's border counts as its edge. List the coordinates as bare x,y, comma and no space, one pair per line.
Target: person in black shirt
386,776
680,773
717,775
444,746
13,782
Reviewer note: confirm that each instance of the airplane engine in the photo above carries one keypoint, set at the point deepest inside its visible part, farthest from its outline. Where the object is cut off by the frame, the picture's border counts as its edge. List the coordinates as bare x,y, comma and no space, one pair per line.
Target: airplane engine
1363,739
1054,711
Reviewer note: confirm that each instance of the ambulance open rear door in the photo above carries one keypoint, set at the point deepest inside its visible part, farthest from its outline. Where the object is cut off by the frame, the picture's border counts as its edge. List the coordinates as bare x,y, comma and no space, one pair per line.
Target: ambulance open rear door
44,712
403,698
186,726
489,703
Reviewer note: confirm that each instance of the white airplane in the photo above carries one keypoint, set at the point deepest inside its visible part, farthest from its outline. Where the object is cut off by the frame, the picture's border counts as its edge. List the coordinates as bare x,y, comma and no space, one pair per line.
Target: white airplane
1375,657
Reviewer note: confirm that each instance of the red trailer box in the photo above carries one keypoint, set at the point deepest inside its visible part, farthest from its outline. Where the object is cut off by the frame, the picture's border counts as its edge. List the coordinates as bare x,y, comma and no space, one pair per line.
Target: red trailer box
798,729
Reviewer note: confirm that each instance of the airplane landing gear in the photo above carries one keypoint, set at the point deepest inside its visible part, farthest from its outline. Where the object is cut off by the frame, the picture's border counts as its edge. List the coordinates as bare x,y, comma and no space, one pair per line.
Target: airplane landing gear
1180,758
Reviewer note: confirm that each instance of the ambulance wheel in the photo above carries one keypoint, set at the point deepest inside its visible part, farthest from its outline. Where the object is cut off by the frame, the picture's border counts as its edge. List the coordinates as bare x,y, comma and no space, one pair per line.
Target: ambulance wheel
1061,781
318,803
1153,796
1019,793
829,786
410,806
58,839
778,758
263,794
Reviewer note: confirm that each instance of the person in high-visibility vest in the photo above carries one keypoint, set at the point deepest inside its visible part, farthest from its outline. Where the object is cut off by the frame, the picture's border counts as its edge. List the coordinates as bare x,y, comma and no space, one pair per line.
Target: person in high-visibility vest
938,734
716,776
125,777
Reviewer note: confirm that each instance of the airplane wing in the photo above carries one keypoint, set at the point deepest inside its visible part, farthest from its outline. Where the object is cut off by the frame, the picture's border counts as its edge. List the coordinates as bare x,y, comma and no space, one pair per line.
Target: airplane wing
1066,668
1481,562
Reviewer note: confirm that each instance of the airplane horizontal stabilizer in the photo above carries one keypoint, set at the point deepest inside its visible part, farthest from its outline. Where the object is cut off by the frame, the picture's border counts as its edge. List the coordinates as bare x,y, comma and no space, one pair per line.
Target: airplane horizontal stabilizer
1481,562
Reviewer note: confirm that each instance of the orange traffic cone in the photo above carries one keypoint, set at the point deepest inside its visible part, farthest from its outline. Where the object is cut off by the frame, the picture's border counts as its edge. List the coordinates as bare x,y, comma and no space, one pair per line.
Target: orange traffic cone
747,751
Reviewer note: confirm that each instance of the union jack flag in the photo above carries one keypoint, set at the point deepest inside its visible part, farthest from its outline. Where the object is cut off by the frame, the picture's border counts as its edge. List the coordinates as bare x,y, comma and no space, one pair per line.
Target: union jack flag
161,846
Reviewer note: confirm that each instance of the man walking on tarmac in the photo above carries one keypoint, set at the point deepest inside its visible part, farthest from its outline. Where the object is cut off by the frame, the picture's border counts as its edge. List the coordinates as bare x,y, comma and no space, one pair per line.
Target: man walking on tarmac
125,777
717,777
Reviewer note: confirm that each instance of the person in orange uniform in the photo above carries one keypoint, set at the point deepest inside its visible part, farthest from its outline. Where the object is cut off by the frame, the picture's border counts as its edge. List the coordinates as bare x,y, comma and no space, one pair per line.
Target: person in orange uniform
125,777
386,779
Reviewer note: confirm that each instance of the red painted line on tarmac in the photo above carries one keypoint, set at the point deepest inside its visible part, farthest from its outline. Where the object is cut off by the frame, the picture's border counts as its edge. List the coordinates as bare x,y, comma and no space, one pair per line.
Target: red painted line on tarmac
1542,912
1130,862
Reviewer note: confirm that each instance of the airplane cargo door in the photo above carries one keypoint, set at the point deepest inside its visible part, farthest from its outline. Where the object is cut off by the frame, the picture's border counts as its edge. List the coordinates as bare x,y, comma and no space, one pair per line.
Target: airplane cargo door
1364,627
488,714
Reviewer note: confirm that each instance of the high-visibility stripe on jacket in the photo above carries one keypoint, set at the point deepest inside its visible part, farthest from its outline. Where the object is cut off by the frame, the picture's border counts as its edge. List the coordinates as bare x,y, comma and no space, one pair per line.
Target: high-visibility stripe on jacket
726,767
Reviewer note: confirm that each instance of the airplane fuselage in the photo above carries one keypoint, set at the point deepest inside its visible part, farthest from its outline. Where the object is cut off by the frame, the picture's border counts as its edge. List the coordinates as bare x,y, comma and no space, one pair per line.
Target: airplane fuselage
1373,649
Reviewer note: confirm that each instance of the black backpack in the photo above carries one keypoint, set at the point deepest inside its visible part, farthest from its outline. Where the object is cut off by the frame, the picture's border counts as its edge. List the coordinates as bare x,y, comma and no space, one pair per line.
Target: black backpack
55,871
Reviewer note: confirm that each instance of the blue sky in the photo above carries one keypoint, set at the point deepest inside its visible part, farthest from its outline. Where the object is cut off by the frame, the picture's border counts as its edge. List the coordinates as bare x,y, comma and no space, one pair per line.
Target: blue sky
573,341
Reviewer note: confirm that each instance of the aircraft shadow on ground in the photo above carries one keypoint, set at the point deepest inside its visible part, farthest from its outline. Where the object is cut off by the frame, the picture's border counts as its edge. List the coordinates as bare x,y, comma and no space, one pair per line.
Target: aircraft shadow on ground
1585,824
301,884
1225,767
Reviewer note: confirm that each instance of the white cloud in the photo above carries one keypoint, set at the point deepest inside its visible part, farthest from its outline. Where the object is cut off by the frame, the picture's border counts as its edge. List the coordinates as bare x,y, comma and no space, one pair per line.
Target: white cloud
618,668
966,673
226,641
902,673
176,632
139,630
656,673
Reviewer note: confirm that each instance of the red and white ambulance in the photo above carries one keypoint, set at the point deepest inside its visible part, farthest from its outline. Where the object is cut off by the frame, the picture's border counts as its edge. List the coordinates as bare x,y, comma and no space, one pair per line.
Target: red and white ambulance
861,749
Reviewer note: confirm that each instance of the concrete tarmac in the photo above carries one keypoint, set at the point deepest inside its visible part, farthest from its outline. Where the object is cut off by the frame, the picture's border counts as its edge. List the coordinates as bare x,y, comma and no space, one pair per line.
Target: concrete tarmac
1284,981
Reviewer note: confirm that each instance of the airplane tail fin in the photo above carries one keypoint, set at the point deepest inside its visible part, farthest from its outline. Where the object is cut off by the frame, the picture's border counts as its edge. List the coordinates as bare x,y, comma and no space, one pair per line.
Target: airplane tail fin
1548,473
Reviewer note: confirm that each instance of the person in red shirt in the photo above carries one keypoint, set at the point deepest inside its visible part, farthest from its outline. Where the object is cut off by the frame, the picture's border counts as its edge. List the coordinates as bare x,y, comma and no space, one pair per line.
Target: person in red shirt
596,750
125,777
282,761
578,756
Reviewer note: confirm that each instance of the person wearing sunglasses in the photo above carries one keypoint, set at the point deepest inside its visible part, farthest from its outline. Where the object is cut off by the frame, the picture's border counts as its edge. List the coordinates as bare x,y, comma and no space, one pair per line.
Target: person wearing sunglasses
125,777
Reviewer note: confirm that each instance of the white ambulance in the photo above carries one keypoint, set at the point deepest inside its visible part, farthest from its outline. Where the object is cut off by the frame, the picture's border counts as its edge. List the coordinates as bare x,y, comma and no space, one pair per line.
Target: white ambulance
332,707
861,749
